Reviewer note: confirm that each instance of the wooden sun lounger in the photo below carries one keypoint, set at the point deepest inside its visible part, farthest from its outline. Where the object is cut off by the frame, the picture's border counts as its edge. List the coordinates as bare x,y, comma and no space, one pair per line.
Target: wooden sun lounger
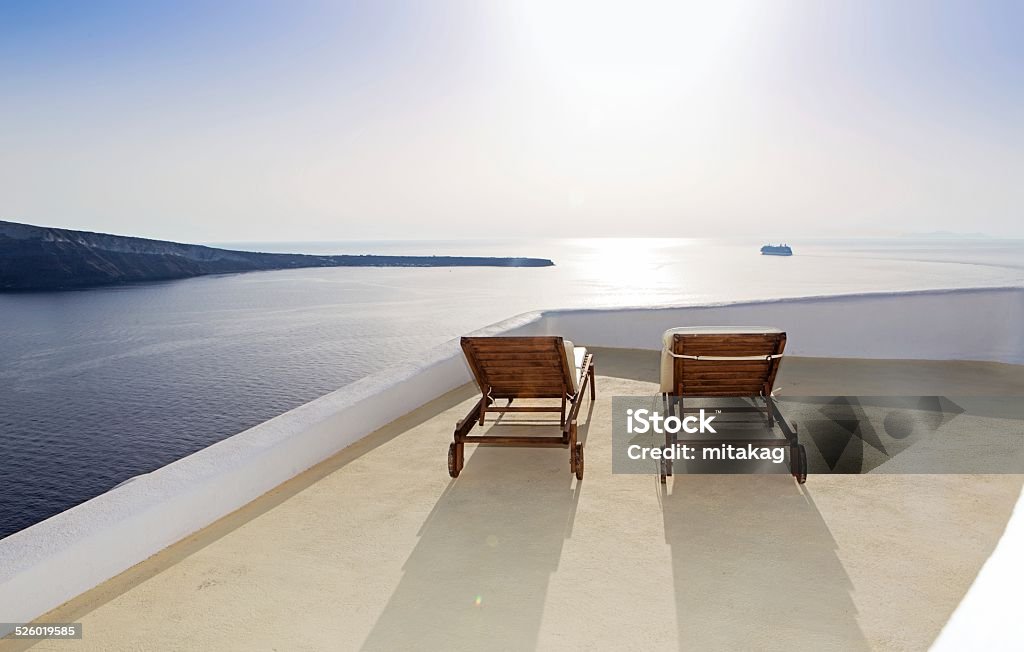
512,368
728,363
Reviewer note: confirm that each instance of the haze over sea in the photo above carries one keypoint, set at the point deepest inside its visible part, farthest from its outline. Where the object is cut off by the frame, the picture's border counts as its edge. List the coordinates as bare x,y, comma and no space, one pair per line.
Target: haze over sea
105,384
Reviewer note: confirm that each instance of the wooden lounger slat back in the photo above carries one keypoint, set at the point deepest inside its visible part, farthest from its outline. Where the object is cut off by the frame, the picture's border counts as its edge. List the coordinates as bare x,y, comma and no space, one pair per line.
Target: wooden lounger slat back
528,368
720,378
519,367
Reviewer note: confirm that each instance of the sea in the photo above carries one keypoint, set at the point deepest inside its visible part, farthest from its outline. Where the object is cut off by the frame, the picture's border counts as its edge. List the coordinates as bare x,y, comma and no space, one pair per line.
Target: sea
98,386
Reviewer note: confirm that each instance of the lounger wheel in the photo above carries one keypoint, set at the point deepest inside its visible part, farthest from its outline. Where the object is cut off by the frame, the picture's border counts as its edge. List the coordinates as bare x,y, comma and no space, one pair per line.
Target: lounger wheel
578,461
453,459
800,464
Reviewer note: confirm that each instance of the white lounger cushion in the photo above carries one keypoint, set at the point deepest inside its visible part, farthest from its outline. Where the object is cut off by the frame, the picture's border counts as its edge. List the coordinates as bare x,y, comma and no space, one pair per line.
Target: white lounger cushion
574,356
666,344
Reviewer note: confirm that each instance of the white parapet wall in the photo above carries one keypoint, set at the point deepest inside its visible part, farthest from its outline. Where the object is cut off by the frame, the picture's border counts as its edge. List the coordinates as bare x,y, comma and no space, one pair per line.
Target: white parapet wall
47,564
983,324
988,617
51,562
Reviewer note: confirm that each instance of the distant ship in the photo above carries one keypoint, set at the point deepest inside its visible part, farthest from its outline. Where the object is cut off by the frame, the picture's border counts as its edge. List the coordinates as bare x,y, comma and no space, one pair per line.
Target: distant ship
776,250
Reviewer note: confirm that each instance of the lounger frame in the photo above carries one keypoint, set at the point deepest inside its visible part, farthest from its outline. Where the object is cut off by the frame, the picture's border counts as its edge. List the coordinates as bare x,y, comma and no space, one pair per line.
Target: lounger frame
511,368
731,365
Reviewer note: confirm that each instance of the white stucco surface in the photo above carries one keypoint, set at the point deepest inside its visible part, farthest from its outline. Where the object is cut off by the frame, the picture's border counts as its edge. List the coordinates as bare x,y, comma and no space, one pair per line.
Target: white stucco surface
989,616
63,556
49,563
983,324
377,548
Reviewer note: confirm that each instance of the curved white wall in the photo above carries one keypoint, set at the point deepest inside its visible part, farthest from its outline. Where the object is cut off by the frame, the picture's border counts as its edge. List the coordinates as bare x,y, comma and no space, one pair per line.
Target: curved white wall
989,617
43,566
47,564
935,325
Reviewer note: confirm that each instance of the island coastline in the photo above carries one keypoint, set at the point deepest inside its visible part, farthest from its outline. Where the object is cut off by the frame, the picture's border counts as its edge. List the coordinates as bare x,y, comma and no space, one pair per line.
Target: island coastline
41,259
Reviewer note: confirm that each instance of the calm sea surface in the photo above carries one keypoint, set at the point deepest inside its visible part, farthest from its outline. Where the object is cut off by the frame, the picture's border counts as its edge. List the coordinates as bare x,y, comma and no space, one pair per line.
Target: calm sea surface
101,385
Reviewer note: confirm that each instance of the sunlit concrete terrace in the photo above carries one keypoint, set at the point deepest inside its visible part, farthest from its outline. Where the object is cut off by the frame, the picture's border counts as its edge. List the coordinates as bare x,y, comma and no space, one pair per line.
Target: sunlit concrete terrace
377,548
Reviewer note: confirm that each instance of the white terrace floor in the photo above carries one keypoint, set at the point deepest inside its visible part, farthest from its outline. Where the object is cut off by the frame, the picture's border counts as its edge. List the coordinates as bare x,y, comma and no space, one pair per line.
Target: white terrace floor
377,548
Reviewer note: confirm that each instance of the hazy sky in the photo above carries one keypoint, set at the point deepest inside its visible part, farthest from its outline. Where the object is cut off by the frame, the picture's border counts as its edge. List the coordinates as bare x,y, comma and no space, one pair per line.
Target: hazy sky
252,120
